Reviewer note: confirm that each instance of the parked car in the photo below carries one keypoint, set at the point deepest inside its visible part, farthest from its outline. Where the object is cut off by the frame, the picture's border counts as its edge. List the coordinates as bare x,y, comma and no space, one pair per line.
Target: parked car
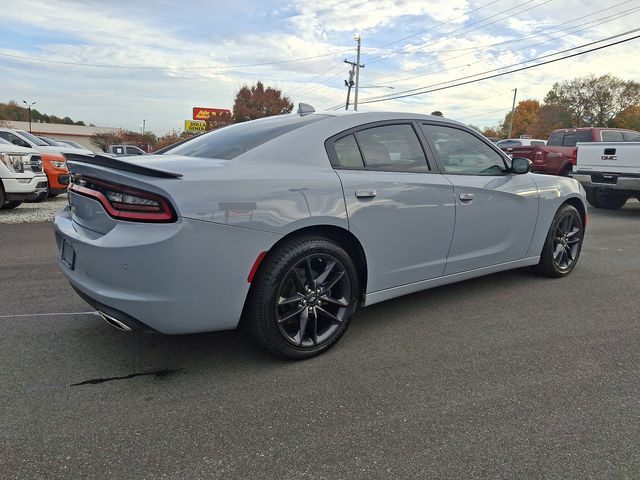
558,156
293,222
125,150
21,176
71,144
50,141
53,160
609,172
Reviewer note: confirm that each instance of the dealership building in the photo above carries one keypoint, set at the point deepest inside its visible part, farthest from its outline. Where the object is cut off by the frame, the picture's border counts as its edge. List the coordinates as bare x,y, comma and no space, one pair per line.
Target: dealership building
59,131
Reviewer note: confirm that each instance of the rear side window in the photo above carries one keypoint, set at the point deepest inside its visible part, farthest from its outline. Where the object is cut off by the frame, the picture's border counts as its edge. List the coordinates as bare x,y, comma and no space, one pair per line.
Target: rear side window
632,137
133,151
535,143
229,142
555,140
392,147
612,136
348,152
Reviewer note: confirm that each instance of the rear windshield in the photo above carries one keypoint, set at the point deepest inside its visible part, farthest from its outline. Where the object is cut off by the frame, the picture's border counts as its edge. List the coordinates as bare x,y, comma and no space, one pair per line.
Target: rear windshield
229,142
33,139
569,139
509,143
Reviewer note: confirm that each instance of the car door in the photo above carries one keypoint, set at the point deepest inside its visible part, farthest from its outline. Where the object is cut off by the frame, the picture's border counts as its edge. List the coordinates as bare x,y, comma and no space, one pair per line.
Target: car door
496,210
401,211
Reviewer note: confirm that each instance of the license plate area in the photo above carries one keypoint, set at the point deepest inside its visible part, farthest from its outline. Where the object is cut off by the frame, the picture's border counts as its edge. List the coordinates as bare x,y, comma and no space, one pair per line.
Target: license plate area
606,179
68,254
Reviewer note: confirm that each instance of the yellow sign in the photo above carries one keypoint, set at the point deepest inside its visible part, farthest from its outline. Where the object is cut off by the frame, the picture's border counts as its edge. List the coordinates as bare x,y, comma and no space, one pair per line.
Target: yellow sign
193,126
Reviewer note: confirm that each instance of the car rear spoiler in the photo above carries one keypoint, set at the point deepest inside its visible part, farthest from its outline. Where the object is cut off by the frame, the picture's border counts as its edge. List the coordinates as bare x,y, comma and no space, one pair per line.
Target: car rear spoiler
117,164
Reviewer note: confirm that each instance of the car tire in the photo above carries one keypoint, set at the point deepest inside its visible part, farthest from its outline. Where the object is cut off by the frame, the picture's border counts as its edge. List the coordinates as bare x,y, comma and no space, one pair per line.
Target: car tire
599,199
563,244
10,205
302,297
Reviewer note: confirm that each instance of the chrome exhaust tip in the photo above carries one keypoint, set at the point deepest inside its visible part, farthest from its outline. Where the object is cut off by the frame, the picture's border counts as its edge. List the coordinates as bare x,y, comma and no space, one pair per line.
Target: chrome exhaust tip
114,322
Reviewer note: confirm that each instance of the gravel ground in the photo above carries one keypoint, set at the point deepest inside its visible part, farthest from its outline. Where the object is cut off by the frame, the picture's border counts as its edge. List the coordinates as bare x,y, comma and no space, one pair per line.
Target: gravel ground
34,212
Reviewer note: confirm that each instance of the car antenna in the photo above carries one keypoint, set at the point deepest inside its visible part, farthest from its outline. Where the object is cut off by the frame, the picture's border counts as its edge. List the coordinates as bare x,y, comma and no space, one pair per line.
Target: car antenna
305,109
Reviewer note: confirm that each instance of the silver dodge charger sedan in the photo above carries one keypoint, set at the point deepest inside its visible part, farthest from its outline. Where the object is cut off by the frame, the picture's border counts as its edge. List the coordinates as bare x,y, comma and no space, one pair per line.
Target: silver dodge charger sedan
288,224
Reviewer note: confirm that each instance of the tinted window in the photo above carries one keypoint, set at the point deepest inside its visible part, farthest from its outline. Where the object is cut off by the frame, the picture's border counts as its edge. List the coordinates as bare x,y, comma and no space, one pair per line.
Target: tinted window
348,152
570,139
461,152
32,138
632,136
133,151
555,139
536,142
229,142
612,136
509,143
392,147
10,137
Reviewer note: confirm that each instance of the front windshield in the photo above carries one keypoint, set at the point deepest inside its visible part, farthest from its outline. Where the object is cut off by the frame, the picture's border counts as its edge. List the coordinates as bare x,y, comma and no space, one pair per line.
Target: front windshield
32,138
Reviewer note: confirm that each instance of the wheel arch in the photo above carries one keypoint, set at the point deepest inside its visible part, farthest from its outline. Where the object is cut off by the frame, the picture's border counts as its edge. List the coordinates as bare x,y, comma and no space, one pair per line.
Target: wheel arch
339,235
578,205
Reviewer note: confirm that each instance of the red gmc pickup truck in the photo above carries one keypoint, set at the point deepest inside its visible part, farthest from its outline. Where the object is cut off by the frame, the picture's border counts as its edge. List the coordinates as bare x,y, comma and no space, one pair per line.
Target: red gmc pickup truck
558,156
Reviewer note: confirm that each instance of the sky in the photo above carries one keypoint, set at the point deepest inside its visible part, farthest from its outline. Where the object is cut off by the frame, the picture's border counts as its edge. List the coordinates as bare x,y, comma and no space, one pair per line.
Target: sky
114,63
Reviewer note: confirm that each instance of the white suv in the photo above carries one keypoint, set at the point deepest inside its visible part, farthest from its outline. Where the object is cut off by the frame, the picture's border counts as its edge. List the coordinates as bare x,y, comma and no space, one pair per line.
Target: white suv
21,175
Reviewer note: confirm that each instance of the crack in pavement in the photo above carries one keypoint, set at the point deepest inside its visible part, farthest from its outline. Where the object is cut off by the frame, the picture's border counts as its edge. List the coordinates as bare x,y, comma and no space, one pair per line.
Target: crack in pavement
158,374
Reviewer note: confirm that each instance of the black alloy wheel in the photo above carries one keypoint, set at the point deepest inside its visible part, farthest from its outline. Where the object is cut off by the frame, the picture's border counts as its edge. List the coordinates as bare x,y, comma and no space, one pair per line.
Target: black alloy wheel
563,244
313,300
302,297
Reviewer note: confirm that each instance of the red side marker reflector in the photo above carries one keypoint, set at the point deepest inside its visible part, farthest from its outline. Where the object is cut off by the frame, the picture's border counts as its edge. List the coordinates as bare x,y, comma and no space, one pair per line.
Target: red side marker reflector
256,264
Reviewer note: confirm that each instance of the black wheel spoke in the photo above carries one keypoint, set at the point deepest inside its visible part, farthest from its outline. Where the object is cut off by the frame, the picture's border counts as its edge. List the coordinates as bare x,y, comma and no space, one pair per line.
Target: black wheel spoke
291,315
304,319
292,299
331,316
333,282
298,281
309,272
342,302
325,274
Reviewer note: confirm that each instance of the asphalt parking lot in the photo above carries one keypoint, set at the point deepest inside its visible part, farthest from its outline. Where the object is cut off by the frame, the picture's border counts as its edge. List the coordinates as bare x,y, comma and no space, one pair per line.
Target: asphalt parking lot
508,376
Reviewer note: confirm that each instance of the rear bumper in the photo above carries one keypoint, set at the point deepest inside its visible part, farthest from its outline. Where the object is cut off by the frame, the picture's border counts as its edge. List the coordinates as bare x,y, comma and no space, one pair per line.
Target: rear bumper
608,181
19,189
183,277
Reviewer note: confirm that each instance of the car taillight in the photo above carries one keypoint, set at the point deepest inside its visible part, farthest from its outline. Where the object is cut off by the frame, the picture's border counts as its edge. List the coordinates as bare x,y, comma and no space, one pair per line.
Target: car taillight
574,156
124,202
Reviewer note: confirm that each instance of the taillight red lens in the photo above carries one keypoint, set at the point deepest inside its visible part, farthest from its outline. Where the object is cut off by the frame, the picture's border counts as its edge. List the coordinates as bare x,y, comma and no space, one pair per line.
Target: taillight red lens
124,202
574,156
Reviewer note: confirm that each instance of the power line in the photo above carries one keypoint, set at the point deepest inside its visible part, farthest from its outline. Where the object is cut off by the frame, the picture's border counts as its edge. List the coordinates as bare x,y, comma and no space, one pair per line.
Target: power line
142,67
422,45
586,25
406,93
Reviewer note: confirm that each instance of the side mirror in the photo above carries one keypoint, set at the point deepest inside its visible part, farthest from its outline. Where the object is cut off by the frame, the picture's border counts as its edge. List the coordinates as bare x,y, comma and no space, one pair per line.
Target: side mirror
521,165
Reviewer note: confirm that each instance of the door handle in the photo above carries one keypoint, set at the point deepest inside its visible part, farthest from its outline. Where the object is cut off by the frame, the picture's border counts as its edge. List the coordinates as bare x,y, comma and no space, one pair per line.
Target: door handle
466,197
365,193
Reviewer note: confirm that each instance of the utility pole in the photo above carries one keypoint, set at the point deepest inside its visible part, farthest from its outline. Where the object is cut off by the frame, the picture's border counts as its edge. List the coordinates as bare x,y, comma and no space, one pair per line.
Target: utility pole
144,124
355,101
29,105
349,83
513,111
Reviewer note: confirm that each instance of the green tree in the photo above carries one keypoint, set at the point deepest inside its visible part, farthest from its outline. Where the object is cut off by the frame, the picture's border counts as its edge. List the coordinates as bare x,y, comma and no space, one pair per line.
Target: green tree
594,101
258,101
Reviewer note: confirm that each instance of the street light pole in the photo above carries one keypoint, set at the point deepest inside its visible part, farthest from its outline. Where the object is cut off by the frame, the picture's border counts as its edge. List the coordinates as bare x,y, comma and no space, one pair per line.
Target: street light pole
29,105
513,111
355,100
